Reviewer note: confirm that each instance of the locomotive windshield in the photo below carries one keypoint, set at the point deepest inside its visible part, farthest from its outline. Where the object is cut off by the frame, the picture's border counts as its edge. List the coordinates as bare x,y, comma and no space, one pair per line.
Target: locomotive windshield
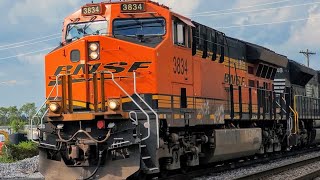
78,30
139,27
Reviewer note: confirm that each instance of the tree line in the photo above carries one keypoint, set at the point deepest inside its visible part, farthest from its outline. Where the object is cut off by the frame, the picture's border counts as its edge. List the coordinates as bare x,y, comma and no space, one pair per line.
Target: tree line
16,117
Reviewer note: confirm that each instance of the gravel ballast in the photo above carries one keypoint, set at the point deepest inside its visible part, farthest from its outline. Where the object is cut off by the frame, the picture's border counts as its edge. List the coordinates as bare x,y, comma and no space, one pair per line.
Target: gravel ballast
296,172
25,169
28,169
237,173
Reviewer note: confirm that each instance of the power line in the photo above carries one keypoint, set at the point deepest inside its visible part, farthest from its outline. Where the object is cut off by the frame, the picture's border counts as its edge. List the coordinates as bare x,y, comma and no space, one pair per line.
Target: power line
270,23
22,45
13,44
239,8
257,10
8,82
308,54
32,52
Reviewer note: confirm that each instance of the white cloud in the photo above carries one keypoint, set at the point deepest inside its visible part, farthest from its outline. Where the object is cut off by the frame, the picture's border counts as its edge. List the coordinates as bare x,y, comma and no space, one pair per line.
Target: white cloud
14,82
183,7
302,38
36,59
8,83
285,38
303,35
49,11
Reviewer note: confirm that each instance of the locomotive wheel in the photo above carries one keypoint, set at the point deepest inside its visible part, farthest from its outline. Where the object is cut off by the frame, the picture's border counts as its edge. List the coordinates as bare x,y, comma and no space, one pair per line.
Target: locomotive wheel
138,176
164,173
185,169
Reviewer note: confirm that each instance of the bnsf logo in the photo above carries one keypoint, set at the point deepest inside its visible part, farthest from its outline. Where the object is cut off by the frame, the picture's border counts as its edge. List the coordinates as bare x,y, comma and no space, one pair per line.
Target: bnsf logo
114,67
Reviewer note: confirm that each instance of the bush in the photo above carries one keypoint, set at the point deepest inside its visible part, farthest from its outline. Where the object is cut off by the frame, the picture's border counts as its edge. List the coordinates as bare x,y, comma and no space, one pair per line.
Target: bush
21,151
4,156
5,159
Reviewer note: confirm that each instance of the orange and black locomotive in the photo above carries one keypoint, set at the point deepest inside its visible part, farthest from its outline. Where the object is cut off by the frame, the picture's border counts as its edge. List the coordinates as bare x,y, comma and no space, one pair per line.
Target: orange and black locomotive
135,89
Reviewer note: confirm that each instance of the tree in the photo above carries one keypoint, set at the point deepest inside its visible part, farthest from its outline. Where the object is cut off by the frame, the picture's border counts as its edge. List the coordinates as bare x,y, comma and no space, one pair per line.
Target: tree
17,125
13,113
14,116
28,110
4,116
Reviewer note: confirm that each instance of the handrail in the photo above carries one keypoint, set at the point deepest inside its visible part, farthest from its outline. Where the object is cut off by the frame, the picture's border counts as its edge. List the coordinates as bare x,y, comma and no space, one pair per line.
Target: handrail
43,104
135,115
289,126
281,108
295,119
296,116
127,94
156,114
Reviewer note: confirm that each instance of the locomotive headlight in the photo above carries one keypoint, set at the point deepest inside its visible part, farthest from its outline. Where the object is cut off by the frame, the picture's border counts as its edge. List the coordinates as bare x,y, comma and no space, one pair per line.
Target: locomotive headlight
54,107
94,50
93,46
94,55
113,104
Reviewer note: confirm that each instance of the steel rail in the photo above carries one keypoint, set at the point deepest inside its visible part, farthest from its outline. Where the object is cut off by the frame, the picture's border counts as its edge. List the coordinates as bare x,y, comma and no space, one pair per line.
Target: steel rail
280,169
309,176
216,168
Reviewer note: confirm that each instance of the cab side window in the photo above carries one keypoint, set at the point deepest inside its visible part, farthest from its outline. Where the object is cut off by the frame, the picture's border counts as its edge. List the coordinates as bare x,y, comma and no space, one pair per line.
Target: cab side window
181,33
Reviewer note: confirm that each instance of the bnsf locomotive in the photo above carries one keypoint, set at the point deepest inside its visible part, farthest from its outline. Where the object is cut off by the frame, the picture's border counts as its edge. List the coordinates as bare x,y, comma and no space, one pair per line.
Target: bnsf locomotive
137,89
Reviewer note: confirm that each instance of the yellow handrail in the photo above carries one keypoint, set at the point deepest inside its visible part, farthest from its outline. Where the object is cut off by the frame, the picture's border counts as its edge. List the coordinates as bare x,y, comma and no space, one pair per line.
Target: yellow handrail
295,120
296,117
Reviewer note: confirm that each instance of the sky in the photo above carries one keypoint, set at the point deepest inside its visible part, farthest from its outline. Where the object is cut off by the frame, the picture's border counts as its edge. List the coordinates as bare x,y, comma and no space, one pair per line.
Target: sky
22,78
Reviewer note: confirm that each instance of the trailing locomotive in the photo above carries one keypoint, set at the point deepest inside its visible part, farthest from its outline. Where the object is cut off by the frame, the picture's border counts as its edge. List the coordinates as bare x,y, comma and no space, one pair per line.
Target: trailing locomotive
137,89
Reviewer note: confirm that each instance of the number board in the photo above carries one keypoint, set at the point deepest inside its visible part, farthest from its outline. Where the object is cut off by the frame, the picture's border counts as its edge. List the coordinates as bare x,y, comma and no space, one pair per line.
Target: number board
91,10
133,7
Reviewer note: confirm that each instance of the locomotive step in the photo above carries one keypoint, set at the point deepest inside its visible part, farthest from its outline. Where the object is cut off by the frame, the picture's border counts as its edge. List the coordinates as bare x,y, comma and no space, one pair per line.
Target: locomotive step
149,165
146,157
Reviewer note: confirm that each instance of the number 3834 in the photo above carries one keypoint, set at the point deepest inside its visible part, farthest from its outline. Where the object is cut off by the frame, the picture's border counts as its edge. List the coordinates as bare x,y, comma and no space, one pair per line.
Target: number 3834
180,66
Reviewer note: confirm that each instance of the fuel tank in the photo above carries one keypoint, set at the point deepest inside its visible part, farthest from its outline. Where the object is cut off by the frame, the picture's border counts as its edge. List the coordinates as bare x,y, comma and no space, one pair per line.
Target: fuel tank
233,143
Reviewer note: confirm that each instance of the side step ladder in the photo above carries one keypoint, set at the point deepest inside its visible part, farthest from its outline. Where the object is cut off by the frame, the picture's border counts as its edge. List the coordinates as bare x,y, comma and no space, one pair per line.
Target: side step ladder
146,161
148,147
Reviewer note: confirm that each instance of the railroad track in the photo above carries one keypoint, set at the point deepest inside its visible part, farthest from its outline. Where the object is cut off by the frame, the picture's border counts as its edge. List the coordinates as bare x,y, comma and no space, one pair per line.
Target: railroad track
309,176
288,167
229,165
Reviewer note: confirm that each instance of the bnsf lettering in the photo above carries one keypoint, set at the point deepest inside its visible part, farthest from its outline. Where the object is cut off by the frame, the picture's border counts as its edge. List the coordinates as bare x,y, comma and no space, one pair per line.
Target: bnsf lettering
235,80
114,67
139,65
63,70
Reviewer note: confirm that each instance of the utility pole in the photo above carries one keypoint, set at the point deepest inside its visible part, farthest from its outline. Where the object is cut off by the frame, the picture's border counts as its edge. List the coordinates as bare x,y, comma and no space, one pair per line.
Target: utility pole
308,54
